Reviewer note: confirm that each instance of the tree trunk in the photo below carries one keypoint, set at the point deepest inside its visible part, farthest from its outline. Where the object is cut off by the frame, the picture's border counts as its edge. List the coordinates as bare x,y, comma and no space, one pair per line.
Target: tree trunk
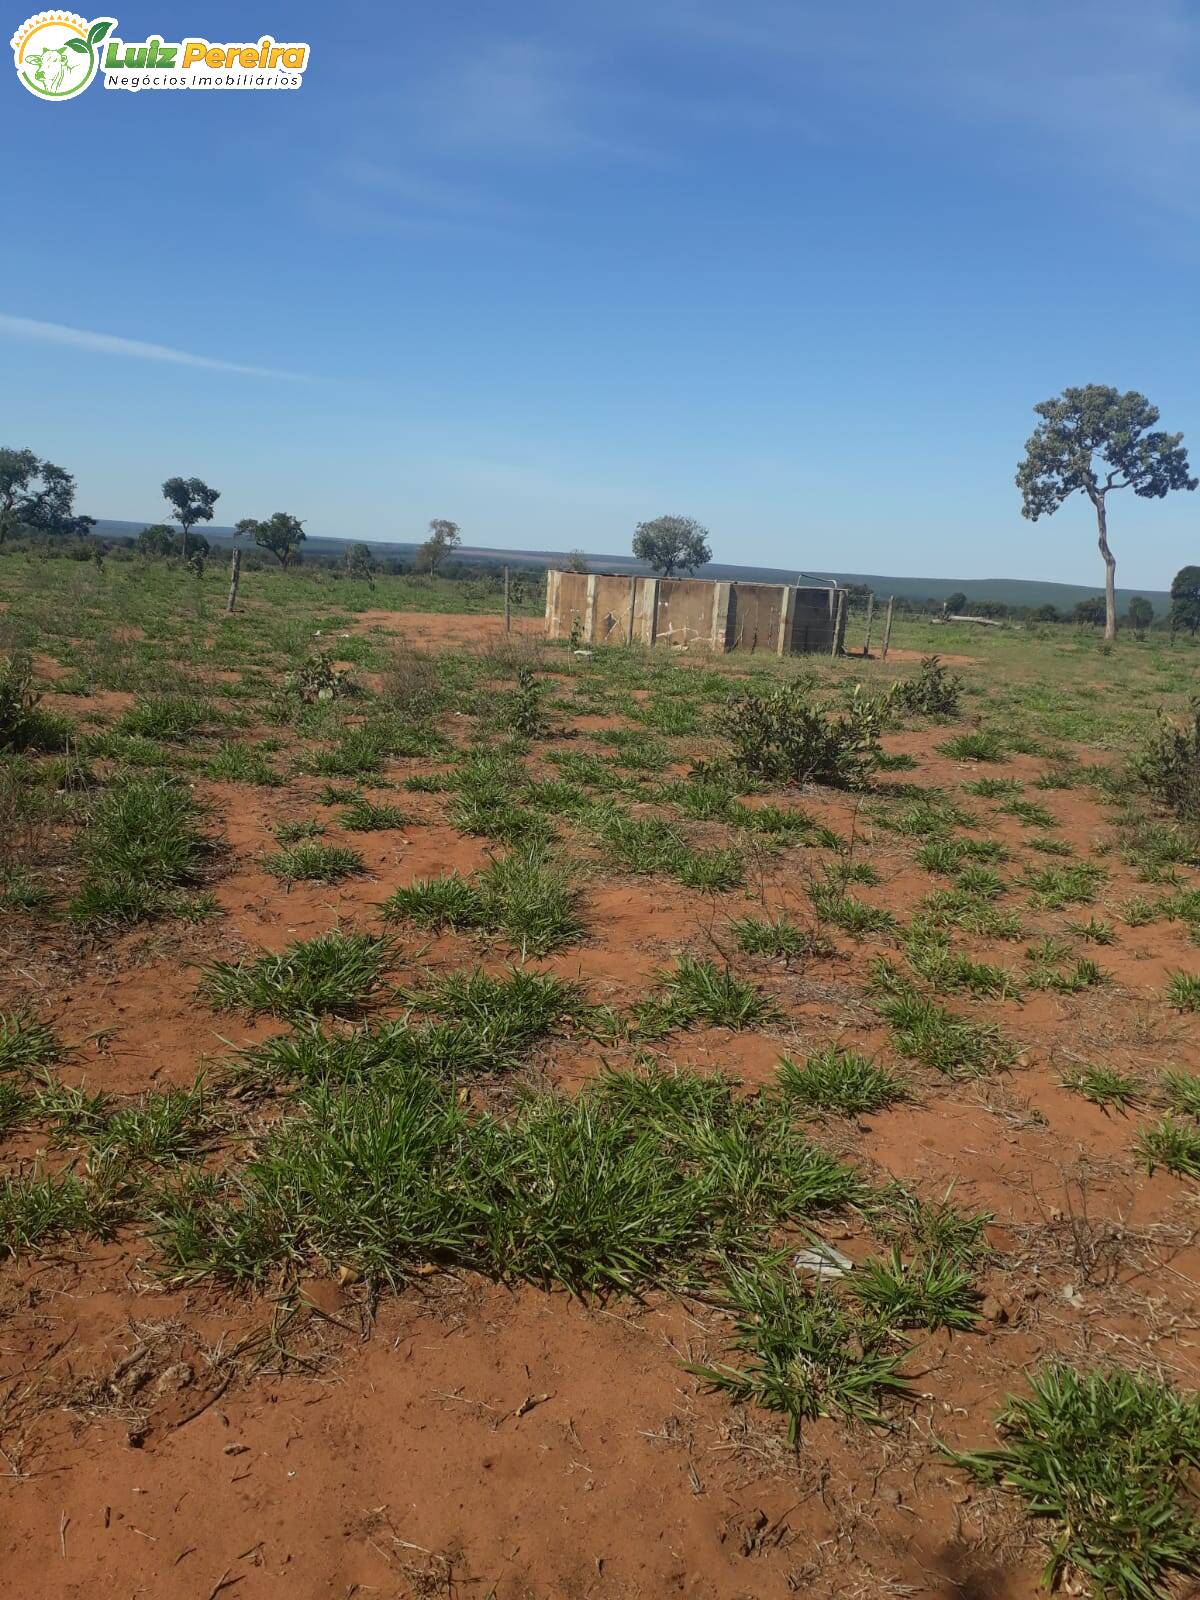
184,526
1110,571
235,577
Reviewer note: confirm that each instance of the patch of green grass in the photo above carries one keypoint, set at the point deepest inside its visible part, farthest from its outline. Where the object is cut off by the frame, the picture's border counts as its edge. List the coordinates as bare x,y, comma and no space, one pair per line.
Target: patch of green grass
1103,1086
335,973
314,862
365,816
840,1080
237,762
1170,1144
982,745
1182,1091
930,817
1045,845
932,1291
37,1208
1183,991
527,895
1109,1457
295,832
142,843
158,1128
24,724
1057,887
936,1037
993,788
832,904
650,844
173,717
898,1215
1138,912
26,1045
1095,930
777,937
1083,974
699,991
603,1191
809,1355
14,1106
930,956
1030,813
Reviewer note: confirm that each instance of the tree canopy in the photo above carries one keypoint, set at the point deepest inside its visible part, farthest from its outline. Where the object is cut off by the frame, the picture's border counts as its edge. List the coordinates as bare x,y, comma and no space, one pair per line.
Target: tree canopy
670,543
1091,611
280,533
158,539
192,501
1140,613
36,494
360,563
1185,601
1091,441
444,536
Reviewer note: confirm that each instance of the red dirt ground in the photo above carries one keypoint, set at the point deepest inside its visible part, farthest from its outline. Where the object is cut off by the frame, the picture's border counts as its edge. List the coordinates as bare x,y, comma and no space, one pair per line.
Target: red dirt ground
468,1440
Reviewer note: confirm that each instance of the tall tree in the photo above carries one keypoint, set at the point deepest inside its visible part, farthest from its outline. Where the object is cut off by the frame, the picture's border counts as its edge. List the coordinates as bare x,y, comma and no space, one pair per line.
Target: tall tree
1185,600
360,563
37,494
444,536
1091,441
668,543
192,501
1139,613
281,534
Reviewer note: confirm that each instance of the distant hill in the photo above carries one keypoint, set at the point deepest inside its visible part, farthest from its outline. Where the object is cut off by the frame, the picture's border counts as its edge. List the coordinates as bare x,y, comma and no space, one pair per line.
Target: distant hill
1009,591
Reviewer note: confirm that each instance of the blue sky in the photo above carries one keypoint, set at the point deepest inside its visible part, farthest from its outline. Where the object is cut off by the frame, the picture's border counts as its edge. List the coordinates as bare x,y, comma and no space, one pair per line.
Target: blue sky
800,271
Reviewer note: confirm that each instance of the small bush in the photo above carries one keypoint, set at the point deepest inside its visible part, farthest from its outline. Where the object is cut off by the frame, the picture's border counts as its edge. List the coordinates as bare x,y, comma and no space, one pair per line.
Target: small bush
23,723
783,736
934,692
1170,765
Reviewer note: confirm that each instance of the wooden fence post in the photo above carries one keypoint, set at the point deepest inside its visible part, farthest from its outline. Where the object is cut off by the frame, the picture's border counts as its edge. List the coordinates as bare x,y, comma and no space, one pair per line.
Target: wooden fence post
507,607
887,627
870,618
839,623
235,577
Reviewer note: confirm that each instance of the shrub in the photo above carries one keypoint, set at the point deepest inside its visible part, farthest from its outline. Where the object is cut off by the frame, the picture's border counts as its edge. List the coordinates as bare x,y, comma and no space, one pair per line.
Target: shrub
784,736
23,725
934,692
1170,765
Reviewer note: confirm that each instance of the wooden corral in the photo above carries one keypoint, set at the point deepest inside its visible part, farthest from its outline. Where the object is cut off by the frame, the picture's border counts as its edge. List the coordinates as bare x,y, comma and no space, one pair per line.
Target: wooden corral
770,618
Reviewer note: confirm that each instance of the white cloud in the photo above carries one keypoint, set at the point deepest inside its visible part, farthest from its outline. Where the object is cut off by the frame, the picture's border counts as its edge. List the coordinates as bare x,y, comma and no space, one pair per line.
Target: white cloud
108,344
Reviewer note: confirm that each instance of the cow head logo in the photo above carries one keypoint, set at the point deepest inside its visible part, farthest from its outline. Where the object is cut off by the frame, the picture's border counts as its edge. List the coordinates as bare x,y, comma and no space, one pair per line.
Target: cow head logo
57,53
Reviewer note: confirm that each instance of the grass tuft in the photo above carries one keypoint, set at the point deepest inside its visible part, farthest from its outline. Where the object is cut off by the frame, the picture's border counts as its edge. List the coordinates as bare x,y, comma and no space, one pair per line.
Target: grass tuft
1109,1457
